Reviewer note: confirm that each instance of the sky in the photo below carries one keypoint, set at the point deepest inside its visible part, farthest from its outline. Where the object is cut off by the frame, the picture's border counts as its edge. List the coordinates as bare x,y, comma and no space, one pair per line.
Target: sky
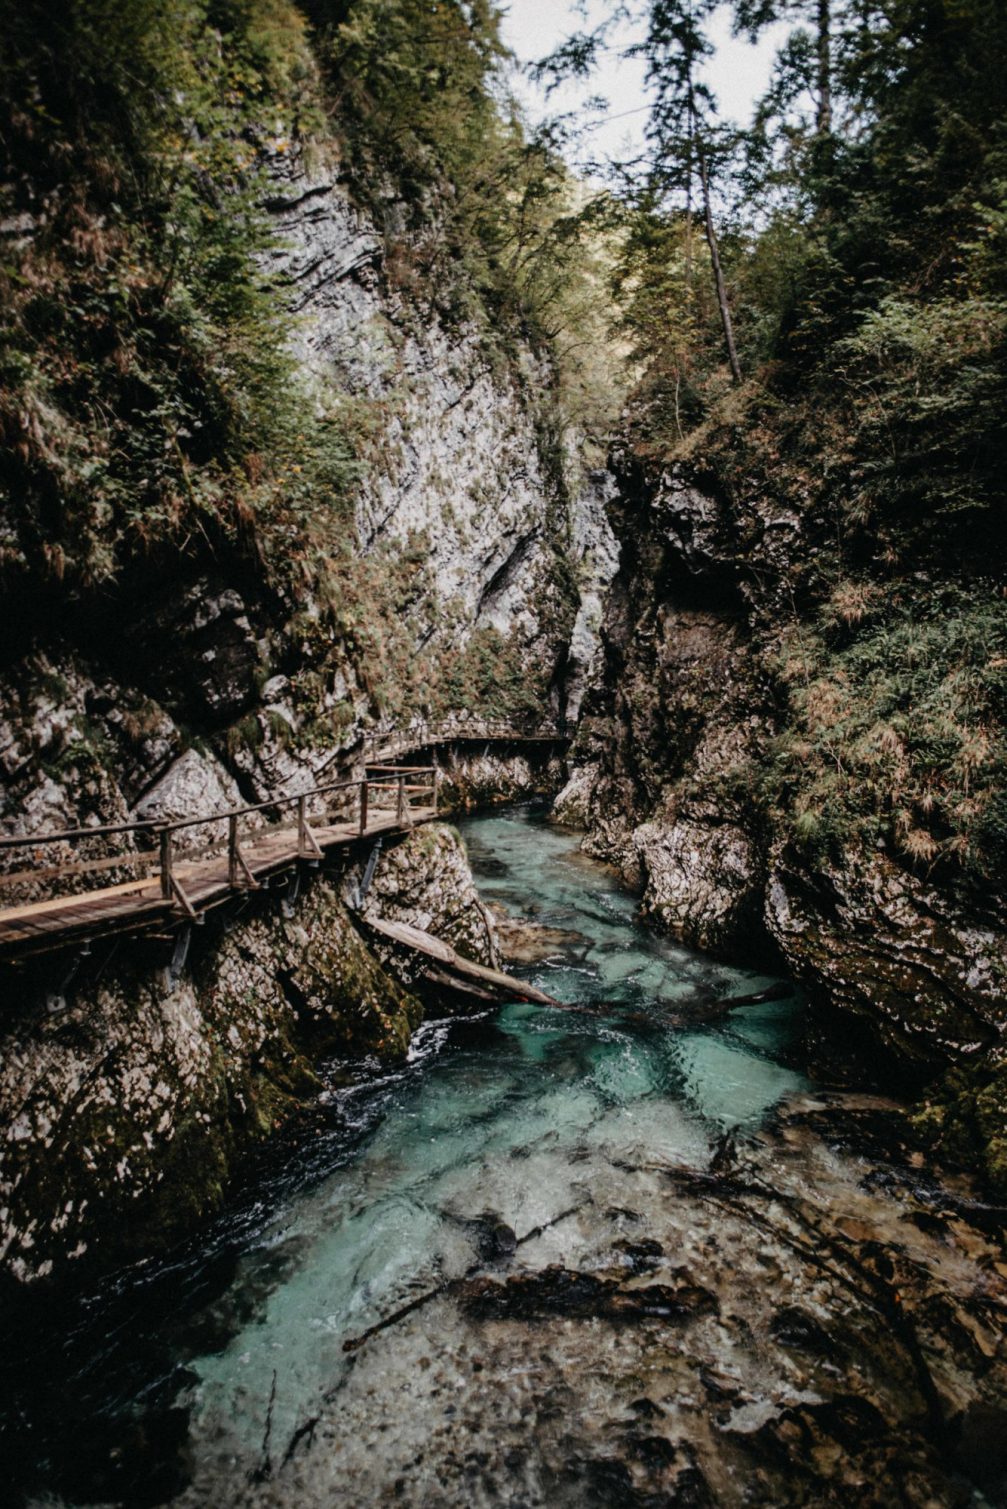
738,72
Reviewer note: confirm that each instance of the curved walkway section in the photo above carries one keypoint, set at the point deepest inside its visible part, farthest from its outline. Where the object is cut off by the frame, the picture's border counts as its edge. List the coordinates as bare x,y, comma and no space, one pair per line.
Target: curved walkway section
155,874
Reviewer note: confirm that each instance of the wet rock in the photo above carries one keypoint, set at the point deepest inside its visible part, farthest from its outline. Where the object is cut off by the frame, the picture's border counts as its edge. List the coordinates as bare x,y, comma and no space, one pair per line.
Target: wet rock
495,1240
571,805
703,880
524,942
125,1113
639,1257
567,1384
881,946
794,1327
582,1296
425,881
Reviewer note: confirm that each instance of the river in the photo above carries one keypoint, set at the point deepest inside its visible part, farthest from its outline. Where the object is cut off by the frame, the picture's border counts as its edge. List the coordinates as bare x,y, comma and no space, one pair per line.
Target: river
628,1254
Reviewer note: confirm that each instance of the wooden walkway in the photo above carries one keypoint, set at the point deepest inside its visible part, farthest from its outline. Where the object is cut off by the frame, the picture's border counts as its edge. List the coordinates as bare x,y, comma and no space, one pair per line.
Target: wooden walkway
179,885
176,871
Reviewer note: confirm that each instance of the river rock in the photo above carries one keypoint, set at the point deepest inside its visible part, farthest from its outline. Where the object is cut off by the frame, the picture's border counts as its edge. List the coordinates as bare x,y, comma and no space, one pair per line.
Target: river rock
773,1331
424,881
702,880
881,946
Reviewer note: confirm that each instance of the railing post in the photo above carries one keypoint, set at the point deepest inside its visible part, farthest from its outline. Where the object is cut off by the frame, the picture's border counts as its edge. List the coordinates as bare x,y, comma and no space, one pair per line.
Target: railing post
437,781
363,805
400,803
167,888
232,851
302,825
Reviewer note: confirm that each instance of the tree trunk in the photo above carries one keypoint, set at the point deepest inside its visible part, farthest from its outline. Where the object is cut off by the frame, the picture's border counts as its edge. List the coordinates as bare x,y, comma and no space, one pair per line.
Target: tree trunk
823,120
690,138
718,276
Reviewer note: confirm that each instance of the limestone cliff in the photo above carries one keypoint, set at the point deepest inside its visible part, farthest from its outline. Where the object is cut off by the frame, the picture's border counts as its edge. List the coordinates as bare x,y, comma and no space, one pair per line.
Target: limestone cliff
134,1080
270,481
223,683
674,777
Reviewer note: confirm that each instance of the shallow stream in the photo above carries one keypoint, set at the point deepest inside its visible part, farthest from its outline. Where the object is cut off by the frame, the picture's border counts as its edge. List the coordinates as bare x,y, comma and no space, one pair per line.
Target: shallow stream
559,1151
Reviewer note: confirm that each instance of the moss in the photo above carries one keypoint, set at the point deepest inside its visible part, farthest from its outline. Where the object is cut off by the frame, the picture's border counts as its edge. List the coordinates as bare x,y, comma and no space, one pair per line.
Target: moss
964,1120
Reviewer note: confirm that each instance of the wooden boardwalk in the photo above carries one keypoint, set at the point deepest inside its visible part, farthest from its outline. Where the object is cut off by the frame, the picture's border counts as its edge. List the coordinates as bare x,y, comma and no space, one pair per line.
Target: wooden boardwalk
177,886
181,869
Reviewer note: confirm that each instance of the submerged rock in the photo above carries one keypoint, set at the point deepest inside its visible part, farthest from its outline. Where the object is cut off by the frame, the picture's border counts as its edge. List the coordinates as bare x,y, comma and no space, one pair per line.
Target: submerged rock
773,1330
583,1296
524,942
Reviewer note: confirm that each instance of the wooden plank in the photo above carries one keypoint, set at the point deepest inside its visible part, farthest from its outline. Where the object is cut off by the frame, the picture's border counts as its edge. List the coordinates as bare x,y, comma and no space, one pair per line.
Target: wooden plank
420,942
131,887
79,867
204,882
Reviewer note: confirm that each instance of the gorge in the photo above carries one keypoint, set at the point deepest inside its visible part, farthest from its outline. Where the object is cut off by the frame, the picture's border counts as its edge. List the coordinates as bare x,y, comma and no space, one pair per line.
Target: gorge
346,435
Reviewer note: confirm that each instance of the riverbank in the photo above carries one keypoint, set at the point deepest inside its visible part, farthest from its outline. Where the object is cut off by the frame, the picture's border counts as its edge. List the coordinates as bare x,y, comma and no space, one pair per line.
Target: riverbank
612,1256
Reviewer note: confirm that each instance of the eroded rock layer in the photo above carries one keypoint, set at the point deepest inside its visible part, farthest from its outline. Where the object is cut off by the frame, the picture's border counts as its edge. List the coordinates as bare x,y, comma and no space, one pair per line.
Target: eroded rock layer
673,775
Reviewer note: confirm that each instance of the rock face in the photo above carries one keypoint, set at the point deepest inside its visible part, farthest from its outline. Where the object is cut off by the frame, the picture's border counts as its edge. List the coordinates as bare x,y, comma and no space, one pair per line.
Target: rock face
668,775
676,713
127,1098
128,1103
463,477
473,778
425,882
217,691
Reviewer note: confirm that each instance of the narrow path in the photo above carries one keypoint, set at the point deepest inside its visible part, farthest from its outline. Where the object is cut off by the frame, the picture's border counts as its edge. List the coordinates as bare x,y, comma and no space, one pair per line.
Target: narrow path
242,847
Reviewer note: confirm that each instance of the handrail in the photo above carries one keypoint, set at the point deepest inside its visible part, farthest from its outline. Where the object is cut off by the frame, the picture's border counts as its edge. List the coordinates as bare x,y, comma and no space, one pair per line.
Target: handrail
240,874
159,825
65,835
412,737
276,801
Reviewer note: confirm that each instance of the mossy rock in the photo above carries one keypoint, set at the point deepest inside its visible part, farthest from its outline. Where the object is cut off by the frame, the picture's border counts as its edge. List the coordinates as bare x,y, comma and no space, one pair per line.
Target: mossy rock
964,1120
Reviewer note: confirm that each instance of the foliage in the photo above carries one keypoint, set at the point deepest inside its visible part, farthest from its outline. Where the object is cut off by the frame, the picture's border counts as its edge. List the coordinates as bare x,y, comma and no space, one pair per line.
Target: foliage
895,728
866,258
146,396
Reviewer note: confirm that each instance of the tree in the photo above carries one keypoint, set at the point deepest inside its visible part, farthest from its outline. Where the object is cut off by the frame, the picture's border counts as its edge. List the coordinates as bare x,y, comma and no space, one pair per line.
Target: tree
752,16
688,145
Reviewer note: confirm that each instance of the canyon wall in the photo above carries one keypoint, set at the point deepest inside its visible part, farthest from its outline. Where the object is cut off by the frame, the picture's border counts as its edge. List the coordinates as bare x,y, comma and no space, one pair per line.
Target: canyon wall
135,1079
673,776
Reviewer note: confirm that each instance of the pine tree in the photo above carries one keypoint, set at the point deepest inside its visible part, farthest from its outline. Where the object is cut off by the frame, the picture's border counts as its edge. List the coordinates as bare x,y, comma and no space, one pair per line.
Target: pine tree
686,141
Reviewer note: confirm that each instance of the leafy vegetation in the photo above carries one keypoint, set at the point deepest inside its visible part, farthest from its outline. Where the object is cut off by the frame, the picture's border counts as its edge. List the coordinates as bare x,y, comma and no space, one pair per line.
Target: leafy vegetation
861,231
149,409
140,365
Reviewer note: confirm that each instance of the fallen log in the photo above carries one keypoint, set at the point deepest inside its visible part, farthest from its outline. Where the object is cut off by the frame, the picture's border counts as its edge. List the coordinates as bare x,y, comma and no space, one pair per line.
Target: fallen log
463,974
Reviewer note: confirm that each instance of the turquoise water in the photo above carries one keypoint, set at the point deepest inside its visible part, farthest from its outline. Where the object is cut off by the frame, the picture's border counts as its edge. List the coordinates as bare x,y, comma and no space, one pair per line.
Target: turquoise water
498,1119
508,1119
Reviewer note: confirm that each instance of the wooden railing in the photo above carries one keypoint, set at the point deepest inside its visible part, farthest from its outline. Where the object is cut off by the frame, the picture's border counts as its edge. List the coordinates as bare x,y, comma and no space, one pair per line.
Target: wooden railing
156,845
62,862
